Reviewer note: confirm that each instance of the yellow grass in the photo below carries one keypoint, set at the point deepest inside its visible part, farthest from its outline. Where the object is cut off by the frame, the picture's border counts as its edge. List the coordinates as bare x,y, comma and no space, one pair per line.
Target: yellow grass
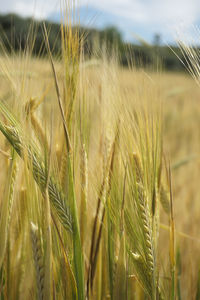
106,93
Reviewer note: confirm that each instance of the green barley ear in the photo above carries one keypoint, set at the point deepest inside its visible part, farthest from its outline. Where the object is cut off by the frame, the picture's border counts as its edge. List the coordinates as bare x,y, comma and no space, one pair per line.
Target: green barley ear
144,212
38,260
56,196
141,211
143,272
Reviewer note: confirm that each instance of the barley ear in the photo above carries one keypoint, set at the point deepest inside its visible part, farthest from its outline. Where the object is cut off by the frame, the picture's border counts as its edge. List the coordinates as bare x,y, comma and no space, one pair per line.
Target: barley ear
38,260
7,207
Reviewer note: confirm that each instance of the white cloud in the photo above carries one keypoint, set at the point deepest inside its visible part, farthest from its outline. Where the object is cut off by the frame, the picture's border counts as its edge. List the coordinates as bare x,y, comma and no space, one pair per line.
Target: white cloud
165,16
35,8
152,12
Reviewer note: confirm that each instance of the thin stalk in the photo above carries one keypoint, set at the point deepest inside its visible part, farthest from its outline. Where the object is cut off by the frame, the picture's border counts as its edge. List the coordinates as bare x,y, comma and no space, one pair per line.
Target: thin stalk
172,241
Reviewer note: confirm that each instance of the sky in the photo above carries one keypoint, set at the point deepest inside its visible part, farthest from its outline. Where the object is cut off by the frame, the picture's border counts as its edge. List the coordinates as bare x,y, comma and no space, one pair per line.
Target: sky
143,18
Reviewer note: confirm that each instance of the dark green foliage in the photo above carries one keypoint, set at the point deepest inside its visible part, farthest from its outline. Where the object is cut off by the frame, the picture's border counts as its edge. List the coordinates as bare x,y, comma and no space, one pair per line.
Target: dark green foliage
18,34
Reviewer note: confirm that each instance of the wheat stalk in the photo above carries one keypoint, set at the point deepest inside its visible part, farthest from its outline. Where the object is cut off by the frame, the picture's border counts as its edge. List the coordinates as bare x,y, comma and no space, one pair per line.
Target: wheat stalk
84,194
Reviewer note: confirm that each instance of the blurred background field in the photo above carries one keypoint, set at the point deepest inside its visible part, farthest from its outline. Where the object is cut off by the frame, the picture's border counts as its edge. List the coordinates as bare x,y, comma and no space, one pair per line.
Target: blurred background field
105,86
97,121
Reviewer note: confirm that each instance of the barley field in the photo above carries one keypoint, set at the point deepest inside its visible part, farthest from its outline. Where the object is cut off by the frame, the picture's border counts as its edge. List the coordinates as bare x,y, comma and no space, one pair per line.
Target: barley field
100,173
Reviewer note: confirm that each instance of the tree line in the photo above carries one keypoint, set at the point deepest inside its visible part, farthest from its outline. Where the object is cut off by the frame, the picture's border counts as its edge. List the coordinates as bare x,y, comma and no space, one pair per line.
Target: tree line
18,33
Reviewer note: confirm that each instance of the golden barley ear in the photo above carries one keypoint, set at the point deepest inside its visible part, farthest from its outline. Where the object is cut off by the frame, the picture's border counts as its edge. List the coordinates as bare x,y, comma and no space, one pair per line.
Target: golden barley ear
7,205
38,259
